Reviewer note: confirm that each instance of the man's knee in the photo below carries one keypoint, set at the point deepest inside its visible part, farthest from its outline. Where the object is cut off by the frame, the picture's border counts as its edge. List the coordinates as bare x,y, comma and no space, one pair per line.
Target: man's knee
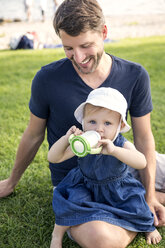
160,172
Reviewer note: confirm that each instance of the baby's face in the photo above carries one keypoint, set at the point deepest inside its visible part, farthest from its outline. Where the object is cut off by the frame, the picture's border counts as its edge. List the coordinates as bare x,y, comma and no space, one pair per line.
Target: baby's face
103,121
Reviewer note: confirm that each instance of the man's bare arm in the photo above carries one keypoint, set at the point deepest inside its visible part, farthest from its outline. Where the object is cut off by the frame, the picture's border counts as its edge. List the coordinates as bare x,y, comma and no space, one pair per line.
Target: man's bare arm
28,147
144,142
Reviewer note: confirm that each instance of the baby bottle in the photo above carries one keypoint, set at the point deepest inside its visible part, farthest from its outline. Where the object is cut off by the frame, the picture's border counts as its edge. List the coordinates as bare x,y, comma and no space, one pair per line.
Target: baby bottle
86,143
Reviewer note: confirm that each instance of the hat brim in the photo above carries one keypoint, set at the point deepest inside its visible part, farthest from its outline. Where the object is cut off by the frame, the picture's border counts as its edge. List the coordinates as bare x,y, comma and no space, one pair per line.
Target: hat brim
79,113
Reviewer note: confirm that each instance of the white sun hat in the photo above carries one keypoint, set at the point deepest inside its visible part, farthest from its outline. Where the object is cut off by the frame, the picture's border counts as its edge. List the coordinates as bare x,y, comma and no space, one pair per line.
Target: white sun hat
108,98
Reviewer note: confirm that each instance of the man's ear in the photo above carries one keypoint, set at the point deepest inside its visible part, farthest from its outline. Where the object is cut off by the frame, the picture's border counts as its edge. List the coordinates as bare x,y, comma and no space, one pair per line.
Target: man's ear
105,32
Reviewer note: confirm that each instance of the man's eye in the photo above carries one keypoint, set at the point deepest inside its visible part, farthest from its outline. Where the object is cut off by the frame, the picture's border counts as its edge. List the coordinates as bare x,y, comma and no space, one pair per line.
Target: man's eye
67,48
86,45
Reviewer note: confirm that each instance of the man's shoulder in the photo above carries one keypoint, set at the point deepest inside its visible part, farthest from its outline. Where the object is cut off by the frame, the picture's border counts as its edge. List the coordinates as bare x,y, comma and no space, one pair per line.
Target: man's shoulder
56,65
52,71
127,64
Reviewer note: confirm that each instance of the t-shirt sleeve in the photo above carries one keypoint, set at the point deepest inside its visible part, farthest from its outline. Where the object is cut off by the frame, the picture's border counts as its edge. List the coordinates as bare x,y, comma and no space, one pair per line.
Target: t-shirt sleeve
141,102
38,103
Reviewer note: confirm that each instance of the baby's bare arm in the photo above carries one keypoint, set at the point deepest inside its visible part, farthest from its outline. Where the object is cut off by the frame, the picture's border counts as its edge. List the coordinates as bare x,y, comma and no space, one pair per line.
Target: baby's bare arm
60,150
127,154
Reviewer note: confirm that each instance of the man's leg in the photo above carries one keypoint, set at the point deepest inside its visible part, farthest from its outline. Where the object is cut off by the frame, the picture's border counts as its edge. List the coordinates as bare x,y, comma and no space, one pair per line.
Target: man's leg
161,197
99,234
160,178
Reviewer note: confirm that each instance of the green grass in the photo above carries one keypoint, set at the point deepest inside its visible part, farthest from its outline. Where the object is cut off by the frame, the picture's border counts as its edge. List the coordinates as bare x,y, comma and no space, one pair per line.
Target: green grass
26,217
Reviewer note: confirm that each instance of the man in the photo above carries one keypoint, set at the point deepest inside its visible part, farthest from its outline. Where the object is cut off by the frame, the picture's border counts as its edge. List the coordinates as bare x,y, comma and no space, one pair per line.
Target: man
60,87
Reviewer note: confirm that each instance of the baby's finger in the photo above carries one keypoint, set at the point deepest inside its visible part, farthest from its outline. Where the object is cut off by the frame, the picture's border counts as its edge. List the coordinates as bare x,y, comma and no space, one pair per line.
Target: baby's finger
78,131
73,129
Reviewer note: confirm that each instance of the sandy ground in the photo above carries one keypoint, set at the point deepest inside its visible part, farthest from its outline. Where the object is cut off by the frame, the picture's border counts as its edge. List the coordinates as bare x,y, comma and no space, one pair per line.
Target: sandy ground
119,27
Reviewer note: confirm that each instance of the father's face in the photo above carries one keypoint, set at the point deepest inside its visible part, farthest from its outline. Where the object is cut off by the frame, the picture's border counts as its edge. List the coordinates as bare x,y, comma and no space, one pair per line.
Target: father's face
85,50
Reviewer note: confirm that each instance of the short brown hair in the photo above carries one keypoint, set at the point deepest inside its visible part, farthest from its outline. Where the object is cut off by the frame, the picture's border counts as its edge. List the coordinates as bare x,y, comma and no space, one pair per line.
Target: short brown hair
76,16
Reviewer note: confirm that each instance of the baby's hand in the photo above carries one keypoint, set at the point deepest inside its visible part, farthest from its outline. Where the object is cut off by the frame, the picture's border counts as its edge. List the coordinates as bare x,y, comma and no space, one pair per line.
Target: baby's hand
74,130
108,146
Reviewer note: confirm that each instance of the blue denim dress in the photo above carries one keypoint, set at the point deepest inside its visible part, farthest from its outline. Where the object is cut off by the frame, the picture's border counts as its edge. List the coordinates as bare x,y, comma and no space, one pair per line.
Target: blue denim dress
101,188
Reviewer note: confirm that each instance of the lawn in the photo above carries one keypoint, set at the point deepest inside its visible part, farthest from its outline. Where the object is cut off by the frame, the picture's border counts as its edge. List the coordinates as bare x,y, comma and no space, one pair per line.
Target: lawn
26,217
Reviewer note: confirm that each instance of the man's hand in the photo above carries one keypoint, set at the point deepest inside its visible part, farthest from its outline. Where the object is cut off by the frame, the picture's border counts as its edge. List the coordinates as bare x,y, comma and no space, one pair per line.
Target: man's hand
5,188
158,211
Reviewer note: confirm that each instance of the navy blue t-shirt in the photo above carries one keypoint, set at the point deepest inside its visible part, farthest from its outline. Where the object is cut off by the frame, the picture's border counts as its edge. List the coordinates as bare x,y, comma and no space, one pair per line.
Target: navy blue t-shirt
57,90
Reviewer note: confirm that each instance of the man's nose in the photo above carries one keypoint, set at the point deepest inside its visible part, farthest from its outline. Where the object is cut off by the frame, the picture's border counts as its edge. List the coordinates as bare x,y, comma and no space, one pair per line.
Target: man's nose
79,55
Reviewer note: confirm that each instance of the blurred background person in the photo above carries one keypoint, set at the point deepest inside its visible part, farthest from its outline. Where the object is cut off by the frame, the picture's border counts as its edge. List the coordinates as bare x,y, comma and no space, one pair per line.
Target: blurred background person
43,7
28,9
56,3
